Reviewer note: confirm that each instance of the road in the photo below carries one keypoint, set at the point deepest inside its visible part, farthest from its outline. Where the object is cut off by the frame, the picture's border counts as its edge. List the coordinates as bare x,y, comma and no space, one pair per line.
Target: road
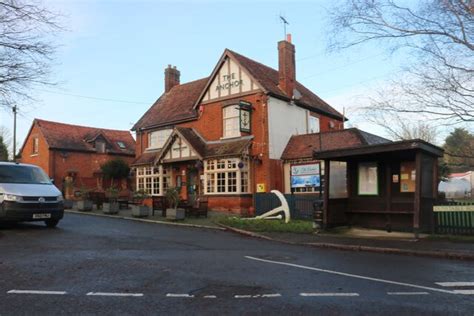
94,265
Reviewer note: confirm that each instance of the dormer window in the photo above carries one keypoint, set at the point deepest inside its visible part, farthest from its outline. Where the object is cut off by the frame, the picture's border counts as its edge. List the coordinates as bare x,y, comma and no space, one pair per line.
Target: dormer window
230,121
121,145
100,146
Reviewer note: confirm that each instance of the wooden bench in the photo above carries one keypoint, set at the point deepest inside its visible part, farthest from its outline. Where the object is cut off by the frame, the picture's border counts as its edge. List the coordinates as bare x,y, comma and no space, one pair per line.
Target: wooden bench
200,209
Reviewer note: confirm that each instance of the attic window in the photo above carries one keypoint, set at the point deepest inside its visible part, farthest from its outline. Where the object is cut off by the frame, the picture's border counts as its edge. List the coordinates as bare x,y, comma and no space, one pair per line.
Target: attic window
100,146
121,145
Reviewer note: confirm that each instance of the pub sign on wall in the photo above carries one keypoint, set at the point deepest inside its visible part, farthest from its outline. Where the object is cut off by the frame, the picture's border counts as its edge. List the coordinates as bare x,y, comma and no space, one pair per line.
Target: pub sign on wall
244,116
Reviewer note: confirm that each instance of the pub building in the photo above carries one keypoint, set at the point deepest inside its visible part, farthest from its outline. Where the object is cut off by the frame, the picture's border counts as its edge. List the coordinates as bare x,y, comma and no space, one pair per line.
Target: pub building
239,132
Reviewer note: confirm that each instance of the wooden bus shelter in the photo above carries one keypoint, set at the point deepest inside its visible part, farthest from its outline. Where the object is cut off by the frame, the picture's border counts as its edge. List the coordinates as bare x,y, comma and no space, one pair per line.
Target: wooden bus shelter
390,186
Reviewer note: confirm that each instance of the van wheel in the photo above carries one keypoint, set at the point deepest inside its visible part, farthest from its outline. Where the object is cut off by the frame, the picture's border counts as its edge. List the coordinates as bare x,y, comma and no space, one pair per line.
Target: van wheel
51,223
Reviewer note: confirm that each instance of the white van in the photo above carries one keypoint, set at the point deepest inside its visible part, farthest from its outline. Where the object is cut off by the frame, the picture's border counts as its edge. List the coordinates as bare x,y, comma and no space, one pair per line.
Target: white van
27,194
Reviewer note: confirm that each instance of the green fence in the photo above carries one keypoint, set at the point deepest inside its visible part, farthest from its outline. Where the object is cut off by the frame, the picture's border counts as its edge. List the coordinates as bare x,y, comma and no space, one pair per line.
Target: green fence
454,218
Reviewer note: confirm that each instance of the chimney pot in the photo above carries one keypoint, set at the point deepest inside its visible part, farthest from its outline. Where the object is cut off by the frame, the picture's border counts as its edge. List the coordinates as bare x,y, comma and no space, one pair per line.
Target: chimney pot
288,38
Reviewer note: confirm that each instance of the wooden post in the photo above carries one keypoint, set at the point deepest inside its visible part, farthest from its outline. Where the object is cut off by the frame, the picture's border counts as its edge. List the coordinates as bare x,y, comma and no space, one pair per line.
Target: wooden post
388,194
326,193
417,206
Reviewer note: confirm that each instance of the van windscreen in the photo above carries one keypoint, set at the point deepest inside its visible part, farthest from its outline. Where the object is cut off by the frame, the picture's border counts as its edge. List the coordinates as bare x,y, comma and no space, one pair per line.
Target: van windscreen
23,174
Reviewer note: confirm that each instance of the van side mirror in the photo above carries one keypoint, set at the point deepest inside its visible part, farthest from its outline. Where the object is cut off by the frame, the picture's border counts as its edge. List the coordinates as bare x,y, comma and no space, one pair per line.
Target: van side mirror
52,180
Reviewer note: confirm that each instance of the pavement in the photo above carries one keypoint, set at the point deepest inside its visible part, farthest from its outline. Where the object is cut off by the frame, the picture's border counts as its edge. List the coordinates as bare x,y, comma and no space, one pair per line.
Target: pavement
354,239
91,265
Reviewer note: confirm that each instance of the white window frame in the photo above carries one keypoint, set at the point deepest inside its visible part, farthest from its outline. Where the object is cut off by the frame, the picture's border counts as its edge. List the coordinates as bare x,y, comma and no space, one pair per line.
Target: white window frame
313,120
157,139
158,178
225,167
231,116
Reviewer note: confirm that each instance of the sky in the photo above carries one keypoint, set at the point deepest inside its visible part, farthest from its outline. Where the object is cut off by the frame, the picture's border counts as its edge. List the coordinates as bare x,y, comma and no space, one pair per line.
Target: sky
111,58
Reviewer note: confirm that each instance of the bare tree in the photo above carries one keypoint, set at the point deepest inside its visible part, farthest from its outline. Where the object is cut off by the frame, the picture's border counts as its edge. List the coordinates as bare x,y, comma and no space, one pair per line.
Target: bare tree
439,80
26,48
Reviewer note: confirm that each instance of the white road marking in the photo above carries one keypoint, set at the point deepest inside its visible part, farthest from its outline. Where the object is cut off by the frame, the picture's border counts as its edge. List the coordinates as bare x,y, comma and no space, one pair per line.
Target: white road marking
210,296
114,294
408,293
328,294
242,296
179,295
271,295
448,284
37,292
465,292
352,275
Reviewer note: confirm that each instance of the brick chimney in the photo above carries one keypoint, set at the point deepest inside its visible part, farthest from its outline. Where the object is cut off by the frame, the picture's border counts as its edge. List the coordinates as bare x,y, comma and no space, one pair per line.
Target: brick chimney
286,66
171,77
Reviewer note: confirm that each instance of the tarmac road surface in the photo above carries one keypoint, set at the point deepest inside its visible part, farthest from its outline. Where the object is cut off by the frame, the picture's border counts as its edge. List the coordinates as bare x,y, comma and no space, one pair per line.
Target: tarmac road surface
95,265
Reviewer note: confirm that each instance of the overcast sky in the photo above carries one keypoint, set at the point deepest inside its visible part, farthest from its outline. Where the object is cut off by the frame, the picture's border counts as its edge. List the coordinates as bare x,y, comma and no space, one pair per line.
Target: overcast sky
112,58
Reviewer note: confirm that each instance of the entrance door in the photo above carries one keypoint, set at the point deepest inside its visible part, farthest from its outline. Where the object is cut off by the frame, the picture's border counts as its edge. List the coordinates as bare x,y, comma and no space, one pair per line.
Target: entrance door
192,186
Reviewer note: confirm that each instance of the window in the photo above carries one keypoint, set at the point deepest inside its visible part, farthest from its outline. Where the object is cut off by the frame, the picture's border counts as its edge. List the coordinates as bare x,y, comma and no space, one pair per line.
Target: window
407,176
100,146
226,176
338,180
230,123
153,180
158,139
121,145
313,124
368,178
35,145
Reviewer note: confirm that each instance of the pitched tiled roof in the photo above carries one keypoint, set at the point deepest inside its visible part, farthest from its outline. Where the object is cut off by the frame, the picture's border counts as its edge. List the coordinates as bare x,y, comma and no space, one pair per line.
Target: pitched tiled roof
205,149
269,78
176,105
302,146
80,138
146,158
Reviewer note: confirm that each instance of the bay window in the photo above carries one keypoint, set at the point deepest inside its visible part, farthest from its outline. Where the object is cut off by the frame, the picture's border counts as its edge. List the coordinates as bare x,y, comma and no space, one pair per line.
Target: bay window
226,176
152,180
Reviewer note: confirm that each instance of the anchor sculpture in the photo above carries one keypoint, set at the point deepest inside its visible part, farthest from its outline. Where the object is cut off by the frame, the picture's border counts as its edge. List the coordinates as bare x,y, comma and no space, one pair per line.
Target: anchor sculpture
282,208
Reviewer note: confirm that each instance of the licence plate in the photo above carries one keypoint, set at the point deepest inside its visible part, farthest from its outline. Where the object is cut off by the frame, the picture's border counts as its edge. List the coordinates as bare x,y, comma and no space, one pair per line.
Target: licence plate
36,216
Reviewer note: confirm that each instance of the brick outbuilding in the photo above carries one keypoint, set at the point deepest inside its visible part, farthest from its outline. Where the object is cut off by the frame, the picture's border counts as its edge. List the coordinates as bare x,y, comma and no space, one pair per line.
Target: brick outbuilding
63,150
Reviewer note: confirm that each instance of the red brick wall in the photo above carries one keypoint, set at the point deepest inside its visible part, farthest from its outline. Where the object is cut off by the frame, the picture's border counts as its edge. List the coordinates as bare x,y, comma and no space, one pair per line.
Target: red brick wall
86,165
42,158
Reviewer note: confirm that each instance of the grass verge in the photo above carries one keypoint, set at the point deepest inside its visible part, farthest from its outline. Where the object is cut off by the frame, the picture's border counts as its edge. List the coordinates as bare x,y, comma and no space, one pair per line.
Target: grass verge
261,225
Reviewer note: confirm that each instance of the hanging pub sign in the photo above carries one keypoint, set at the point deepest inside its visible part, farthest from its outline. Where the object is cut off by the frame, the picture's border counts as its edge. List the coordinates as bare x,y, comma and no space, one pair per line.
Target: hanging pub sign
244,117
307,175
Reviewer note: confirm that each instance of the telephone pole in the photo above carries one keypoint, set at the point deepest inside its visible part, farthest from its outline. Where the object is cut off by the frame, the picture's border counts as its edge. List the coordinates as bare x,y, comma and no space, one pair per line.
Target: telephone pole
15,110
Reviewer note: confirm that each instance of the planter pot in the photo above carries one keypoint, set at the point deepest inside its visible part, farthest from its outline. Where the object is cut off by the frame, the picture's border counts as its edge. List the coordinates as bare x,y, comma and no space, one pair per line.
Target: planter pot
140,211
110,208
68,204
175,213
84,205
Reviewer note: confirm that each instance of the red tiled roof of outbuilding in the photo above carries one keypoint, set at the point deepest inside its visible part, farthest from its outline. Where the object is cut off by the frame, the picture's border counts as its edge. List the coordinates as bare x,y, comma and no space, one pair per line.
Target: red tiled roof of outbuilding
303,146
79,138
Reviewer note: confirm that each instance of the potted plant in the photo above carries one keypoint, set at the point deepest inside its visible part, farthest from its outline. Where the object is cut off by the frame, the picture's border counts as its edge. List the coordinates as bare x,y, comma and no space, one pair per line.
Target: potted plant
139,209
173,198
111,207
84,204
